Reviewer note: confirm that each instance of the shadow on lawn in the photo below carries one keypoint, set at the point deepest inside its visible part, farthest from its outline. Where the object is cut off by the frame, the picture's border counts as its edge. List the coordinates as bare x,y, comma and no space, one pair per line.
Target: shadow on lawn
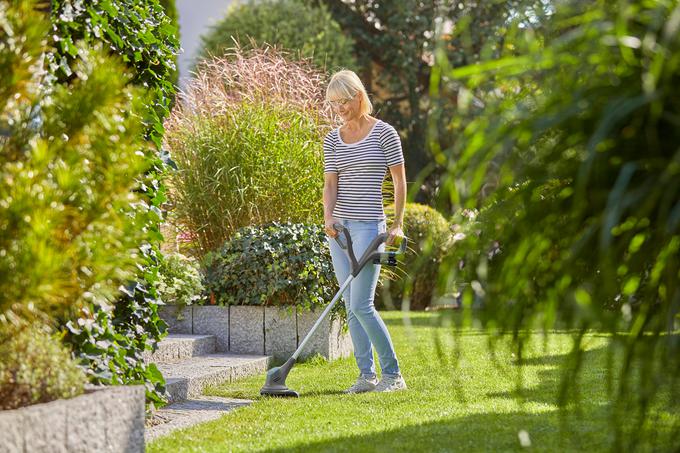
474,433
591,380
585,426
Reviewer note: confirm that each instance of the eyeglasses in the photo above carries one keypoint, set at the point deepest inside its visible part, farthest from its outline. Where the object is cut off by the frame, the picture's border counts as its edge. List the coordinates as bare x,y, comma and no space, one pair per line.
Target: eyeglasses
340,102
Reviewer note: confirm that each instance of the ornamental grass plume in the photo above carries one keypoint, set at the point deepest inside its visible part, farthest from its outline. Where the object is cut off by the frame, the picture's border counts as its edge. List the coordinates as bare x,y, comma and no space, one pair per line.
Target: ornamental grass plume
264,76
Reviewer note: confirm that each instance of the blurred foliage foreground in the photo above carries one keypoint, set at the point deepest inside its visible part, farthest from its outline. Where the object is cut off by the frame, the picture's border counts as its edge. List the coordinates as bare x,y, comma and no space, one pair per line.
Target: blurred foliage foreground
577,144
76,221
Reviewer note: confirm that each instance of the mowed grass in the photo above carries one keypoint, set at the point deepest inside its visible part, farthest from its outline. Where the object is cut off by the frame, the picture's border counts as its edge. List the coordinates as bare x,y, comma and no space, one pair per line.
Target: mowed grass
461,397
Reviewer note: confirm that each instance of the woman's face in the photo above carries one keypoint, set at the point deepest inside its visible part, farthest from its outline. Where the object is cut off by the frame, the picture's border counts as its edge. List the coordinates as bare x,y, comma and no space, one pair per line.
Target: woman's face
348,108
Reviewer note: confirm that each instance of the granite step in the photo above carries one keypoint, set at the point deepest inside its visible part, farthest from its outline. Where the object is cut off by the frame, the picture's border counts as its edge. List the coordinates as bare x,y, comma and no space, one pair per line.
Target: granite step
189,413
187,379
177,347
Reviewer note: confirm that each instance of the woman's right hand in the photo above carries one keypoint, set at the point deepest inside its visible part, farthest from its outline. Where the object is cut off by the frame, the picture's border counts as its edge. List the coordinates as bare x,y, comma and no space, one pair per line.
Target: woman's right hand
328,227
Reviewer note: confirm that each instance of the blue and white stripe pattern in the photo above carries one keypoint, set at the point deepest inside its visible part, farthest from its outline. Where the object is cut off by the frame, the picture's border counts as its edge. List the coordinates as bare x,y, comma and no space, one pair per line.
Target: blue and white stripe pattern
361,169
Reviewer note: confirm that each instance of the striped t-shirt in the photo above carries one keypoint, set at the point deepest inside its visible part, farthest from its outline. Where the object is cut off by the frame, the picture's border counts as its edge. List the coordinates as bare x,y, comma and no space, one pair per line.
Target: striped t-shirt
361,169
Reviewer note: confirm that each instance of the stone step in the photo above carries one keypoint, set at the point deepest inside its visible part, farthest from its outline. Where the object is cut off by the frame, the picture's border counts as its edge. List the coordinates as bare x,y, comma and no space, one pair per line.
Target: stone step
189,413
177,347
187,379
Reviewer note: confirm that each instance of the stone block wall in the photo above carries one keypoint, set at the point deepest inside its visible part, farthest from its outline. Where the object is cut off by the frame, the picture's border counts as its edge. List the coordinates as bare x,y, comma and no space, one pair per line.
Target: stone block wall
106,419
273,331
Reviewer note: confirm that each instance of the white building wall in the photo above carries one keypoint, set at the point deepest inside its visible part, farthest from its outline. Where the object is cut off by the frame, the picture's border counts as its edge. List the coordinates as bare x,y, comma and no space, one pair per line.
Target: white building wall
195,19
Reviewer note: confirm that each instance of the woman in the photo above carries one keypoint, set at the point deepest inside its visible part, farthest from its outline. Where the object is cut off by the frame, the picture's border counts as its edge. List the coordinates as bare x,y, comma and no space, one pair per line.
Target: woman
356,158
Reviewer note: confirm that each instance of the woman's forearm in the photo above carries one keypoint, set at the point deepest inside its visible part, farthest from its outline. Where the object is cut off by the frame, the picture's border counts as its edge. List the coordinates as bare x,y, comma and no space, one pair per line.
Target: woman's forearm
330,196
399,180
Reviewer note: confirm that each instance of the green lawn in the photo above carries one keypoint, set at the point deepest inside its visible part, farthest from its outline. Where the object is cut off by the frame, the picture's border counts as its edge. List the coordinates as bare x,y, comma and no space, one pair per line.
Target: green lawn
459,399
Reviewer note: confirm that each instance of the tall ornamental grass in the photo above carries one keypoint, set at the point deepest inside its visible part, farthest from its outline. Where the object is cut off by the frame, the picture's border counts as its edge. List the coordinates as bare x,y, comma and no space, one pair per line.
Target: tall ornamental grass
246,137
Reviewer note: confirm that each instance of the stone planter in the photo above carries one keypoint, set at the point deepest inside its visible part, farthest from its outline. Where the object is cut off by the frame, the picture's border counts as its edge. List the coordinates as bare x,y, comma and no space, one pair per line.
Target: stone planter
334,343
273,331
246,330
178,317
105,419
212,320
281,332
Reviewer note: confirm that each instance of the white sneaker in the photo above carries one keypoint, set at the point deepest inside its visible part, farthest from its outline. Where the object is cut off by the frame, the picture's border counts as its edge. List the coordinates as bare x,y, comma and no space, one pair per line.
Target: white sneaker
363,385
390,384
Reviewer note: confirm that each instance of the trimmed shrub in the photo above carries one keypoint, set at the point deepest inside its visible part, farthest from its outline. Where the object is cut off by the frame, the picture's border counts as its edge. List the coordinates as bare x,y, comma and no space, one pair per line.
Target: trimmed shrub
180,280
246,136
415,278
293,25
78,196
276,264
69,214
35,367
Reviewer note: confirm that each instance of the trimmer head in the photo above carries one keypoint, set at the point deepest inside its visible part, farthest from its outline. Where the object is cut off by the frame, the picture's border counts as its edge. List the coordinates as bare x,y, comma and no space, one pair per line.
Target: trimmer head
275,385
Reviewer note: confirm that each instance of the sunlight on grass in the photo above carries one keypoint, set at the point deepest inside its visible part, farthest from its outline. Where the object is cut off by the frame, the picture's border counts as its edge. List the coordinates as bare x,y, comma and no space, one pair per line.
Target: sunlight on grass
463,398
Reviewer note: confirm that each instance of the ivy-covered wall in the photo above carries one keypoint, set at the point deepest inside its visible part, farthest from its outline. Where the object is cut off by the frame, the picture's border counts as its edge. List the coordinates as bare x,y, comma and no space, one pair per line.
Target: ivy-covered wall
145,37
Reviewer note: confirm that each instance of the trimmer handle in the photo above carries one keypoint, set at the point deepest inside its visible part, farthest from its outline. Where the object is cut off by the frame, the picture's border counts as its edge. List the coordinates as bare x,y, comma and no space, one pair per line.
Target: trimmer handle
347,245
371,254
389,258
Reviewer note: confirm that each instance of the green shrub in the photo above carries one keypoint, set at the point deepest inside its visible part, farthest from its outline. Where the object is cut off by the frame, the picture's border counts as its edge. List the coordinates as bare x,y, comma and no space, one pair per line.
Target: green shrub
279,264
78,197
180,281
110,340
415,278
246,137
292,25
35,367
69,214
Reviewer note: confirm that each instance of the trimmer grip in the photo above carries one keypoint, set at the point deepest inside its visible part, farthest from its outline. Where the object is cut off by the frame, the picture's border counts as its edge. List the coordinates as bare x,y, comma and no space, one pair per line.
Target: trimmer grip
390,258
338,238
347,245
402,246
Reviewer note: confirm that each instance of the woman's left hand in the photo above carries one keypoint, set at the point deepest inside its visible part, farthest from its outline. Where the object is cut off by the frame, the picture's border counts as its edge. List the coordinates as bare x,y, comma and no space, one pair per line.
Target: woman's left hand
394,233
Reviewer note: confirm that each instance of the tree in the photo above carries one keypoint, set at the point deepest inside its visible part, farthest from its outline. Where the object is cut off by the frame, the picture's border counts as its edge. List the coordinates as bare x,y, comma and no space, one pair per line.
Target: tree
396,45
305,30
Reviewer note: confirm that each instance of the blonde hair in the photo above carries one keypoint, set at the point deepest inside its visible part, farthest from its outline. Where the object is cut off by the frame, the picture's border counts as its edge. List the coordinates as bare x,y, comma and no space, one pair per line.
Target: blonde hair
346,84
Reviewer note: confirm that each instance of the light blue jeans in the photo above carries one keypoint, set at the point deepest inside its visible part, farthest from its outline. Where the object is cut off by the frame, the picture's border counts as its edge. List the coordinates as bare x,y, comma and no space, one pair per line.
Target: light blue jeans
366,327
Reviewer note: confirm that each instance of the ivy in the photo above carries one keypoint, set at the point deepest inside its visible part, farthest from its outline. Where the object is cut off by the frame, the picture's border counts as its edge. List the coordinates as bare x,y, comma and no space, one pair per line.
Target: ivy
172,13
110,341
280,264
139,31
